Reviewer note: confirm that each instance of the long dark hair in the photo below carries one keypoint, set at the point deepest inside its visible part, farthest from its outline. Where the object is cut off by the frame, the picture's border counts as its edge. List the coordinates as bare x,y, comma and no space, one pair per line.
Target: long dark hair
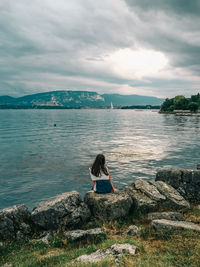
99,165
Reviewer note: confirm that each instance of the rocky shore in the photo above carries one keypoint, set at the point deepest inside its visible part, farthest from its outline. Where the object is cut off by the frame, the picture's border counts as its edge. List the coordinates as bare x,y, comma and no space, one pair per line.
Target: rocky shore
181,112
115,228
172,190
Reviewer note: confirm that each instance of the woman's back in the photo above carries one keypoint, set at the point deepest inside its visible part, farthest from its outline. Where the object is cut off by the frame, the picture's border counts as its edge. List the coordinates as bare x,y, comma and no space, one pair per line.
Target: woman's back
102,183
100,176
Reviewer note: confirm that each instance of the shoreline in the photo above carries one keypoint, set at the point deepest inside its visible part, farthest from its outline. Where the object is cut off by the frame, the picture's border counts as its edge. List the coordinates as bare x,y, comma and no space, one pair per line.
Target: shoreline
139,222
181,113
133,107
140,196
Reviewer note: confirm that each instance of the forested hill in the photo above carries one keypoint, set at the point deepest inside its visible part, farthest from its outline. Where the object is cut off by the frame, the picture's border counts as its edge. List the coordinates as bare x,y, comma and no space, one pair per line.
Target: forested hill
78,99
181,103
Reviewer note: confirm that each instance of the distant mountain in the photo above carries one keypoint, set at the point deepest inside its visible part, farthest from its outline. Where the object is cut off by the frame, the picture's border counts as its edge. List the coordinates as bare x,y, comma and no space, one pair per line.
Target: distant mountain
5,100
130,100
78,99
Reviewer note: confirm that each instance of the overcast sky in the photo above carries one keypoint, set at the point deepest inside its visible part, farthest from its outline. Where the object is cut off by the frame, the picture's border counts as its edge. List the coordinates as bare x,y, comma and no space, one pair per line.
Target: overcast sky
108,46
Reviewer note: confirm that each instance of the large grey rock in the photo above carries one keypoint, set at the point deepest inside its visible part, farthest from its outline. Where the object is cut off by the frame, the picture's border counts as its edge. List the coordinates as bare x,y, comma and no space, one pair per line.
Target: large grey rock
77,235
115,251
66,211
109,206
7,264
150,196
132,230
97,256
170,175
15,221
141,202
149,190
173,198
186,182
173,216
168,225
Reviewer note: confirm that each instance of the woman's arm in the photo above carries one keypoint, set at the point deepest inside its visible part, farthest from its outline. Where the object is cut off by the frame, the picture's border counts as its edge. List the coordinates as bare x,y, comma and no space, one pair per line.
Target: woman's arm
92,191
111,181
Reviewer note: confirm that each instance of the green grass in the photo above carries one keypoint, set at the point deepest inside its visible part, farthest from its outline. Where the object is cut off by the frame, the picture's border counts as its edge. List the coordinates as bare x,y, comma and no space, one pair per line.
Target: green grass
154,249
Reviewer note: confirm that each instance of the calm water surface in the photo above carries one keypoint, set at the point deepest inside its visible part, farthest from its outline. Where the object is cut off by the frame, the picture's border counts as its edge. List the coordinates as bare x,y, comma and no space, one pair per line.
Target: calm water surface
38,160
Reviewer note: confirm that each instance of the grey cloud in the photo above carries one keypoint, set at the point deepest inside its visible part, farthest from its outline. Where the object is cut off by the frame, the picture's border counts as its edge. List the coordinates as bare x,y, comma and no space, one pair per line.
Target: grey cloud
171,27
60,42
175,6
45,43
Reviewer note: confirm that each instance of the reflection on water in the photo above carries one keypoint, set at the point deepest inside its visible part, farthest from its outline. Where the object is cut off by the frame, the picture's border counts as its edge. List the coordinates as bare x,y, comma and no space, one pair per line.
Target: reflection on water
39,160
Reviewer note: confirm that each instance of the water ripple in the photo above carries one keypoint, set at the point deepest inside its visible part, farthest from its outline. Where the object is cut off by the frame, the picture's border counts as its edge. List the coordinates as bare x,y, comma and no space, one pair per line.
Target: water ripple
39,160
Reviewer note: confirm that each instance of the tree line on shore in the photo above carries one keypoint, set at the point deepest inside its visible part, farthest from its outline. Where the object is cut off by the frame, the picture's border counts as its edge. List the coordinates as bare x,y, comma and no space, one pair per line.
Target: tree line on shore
181,103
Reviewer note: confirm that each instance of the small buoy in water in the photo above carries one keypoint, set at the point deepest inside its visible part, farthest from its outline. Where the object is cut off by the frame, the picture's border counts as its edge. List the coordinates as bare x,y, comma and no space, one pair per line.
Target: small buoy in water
54,125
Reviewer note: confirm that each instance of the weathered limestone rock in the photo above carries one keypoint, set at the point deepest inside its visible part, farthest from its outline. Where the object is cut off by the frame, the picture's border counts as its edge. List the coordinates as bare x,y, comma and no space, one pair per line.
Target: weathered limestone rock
173,198
7,265
77,235
132,230
141,202
14,222
150,196
97,256
66,211
173,216
149,190
170,175
45,237
186,182
168,225
116,251
109,206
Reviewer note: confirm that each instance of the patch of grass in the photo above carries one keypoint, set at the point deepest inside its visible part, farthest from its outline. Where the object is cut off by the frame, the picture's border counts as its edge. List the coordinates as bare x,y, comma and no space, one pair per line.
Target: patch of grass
93,224
193,215
181,248
104,263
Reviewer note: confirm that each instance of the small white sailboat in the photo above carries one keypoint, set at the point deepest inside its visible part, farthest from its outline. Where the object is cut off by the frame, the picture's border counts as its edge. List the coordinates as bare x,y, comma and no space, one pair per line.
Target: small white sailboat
111,105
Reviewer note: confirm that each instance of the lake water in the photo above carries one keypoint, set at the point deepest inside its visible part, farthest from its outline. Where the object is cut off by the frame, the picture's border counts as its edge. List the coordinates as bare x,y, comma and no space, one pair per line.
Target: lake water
38,160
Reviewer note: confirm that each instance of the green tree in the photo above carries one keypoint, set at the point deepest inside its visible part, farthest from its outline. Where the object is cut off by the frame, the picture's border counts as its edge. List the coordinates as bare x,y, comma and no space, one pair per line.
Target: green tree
180,102
166,106
193,106
195,98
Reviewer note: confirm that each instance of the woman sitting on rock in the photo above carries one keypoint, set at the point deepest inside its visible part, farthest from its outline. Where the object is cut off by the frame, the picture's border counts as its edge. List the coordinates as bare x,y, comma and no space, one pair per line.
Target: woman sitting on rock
100,176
